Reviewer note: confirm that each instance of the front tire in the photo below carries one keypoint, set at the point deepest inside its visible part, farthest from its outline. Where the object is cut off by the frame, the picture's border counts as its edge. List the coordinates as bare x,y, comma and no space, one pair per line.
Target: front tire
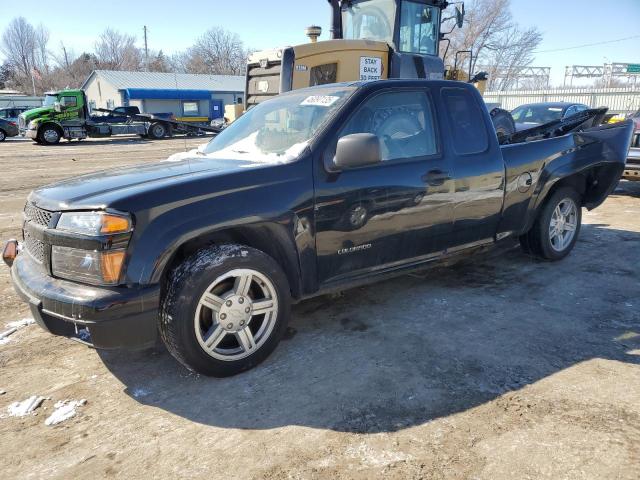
49,135
225,310
556,230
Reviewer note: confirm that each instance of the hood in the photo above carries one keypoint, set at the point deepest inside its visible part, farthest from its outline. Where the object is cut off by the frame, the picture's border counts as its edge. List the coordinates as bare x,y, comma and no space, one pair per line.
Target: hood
103,189
36,112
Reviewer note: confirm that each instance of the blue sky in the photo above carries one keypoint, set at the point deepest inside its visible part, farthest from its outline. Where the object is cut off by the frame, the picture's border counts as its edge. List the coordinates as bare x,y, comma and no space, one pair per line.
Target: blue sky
270,23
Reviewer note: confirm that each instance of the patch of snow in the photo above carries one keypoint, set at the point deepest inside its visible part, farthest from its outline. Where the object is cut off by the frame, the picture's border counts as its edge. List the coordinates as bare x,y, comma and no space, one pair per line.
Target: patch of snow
64,410
84,335
13,327
4,336
21,323
375,458
2,392
25,407
140,392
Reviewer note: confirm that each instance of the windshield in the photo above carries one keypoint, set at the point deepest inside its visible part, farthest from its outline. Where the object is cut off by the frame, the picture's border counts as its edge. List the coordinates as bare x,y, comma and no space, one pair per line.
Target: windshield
278,130
49,100
370,20
537,114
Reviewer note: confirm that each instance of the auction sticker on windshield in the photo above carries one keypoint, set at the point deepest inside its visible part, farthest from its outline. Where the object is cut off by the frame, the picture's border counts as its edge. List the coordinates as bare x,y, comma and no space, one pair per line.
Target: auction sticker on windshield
320,100
370,68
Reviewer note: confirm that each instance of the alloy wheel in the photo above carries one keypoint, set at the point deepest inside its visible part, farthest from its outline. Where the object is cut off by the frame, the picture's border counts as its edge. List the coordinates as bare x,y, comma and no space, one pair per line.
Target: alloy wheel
236,314
563,225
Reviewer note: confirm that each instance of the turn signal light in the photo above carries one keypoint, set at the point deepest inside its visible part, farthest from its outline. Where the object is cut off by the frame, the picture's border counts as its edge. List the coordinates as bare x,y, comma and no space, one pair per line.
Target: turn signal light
114,224
111,263
10,252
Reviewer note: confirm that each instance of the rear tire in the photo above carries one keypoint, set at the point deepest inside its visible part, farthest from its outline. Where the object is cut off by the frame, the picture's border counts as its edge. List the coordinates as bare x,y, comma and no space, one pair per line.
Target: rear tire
3,136
225,309
157,131
556,230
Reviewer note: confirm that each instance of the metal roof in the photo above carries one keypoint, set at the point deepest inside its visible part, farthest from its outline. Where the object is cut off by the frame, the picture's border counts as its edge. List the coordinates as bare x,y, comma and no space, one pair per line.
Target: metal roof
174,81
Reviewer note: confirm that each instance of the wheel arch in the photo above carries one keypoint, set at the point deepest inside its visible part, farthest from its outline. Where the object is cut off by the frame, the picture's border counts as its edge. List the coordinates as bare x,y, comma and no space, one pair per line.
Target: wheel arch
56,125
593,184
272,240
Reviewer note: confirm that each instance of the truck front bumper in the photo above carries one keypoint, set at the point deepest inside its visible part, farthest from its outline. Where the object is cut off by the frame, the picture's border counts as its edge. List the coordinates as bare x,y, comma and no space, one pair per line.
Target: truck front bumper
632,168
115,317
32,134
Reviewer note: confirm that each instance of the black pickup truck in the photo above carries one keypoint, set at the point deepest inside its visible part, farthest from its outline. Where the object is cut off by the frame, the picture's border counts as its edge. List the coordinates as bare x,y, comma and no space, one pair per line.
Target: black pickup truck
312,191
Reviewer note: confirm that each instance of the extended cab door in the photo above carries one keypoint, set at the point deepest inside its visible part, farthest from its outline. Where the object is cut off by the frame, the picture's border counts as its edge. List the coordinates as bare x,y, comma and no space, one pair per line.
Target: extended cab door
477,167
388,214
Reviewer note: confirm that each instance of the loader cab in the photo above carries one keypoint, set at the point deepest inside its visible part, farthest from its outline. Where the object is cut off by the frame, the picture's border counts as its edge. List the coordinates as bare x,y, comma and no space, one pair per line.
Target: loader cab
408,26
370,40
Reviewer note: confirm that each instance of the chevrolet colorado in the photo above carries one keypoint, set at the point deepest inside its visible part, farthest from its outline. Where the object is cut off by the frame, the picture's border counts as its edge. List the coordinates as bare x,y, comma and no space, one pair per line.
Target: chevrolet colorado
311,191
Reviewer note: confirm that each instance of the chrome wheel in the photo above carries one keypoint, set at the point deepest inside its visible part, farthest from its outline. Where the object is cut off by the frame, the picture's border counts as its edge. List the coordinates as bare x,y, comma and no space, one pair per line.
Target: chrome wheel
236,314
563,225
51,135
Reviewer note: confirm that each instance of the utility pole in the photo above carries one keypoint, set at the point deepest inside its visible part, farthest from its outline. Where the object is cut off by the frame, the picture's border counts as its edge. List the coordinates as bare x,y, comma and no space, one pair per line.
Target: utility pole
66,57
146,49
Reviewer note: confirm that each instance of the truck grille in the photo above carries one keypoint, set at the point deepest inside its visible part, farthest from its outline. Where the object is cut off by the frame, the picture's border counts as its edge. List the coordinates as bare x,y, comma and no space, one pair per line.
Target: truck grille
263,82
268,77
33,217
34,247
37,215
21,123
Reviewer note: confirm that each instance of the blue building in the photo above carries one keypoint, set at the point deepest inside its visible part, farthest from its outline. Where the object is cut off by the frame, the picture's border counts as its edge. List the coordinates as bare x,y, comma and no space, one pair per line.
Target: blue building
190,97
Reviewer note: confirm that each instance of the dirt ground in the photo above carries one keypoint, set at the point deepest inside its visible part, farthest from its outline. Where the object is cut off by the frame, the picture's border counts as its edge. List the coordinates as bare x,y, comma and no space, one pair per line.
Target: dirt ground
500,368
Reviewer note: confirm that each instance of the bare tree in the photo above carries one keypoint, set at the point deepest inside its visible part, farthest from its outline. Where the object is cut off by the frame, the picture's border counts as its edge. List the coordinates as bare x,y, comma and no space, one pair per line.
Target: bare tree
71,70
18,45
25,51
217,51
514,50
117,51
497,42
158,62
40,48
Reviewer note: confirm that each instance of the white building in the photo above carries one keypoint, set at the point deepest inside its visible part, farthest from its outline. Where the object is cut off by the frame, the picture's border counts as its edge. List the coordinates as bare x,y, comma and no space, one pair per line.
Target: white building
190,97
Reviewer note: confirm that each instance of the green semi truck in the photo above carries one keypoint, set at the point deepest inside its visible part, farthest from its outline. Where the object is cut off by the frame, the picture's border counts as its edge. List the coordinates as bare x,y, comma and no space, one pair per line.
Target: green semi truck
65,114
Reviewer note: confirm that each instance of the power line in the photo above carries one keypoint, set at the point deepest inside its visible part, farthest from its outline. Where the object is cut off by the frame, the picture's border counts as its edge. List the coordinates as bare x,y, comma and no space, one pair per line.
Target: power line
587,45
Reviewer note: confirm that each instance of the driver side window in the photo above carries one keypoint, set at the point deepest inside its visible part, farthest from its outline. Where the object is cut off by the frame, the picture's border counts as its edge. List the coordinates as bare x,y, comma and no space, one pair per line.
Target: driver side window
68,101
402,121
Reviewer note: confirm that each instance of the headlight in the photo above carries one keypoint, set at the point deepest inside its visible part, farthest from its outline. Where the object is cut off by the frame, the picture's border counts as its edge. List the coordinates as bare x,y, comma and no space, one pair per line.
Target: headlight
96,268
94,223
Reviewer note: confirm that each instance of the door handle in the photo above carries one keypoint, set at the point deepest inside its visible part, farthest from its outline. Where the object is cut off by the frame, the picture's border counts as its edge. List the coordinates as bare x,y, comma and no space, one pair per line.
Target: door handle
436,177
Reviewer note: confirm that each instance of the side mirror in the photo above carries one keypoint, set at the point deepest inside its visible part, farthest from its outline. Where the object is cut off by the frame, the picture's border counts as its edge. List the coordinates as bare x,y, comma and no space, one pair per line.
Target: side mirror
357,150
460,16
57,106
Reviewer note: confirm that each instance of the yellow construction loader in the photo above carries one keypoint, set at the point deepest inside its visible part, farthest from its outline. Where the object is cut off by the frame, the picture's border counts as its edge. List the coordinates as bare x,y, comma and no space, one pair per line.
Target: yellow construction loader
370,40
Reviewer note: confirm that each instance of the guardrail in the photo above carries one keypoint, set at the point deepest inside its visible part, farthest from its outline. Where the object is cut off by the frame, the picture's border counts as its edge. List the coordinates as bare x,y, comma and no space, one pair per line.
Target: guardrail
619,100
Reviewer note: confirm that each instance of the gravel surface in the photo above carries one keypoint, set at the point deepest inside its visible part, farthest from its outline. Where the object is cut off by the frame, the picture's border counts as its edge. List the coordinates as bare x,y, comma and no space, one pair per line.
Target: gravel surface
500,367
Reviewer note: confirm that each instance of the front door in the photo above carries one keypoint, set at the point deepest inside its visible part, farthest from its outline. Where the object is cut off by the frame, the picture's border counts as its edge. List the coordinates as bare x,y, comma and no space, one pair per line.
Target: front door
388,214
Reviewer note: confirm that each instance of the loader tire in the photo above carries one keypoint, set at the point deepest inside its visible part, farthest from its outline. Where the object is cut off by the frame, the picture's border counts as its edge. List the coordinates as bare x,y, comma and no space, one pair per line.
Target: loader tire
503,124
